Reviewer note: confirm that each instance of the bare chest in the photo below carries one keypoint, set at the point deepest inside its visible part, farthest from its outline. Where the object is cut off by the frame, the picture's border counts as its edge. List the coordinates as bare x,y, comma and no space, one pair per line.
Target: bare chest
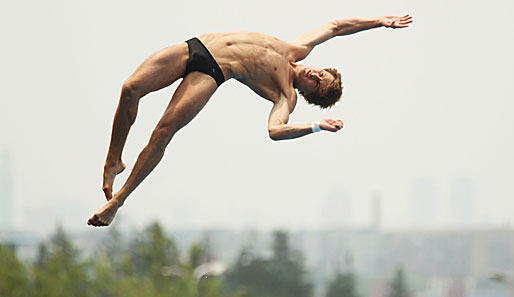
266,73
259,61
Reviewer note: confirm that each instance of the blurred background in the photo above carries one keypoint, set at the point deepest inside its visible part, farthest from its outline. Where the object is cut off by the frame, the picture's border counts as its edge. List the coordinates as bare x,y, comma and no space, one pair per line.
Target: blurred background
412,198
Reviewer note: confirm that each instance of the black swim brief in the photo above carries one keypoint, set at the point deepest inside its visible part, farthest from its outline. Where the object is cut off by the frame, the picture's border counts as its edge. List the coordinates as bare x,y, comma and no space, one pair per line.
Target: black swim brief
200,59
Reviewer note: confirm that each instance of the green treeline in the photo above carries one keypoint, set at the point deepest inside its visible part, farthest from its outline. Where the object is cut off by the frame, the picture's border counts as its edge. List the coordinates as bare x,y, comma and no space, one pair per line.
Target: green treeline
151,265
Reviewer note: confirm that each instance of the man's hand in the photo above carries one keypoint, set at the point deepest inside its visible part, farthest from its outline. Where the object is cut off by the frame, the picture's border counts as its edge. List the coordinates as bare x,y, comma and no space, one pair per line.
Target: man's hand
395,21
331,125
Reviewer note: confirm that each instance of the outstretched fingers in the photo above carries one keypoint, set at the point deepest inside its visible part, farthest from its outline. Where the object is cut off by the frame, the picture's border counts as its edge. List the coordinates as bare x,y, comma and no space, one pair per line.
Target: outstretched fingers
403,21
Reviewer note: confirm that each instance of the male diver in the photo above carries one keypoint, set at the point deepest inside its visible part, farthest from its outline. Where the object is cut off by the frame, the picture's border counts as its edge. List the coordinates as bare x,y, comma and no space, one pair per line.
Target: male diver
264,63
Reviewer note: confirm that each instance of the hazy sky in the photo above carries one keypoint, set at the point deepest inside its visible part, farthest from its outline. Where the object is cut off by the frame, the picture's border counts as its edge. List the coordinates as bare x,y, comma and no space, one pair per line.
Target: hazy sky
427,114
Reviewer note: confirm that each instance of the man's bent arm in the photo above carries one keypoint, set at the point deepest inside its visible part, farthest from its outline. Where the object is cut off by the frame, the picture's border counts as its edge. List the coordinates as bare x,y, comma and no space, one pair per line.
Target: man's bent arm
288,131
278,128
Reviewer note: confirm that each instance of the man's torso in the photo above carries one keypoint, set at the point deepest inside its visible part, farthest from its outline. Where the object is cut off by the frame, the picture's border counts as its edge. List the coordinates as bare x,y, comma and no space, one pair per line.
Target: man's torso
260,61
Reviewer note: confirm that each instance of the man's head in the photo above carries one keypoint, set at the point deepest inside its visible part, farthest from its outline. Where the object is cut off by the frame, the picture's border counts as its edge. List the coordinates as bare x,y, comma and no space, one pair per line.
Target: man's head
320,87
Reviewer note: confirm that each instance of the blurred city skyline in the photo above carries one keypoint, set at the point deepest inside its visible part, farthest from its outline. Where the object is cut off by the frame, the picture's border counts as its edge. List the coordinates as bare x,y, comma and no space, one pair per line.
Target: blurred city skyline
428,208
479,262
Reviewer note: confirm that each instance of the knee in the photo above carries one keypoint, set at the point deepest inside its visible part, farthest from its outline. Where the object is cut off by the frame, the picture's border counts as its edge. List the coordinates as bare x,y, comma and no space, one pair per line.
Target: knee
162,135
130,91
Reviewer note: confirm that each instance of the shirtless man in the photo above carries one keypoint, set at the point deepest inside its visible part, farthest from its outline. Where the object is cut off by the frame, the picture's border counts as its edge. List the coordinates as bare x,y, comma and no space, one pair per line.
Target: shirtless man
264,63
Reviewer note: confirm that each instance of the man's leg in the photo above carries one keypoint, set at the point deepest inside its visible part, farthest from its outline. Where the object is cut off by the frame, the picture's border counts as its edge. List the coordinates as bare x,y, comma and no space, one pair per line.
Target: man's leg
158,71
189,98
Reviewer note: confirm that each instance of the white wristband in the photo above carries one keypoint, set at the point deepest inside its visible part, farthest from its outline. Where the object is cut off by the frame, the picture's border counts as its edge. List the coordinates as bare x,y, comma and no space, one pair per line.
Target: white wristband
315,127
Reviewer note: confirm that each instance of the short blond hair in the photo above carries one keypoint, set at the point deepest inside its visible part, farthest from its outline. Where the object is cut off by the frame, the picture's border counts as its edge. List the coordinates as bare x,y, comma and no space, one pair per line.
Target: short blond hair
327,96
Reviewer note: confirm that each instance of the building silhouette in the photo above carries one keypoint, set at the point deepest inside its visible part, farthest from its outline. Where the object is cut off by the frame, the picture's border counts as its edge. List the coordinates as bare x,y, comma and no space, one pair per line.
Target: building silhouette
376,213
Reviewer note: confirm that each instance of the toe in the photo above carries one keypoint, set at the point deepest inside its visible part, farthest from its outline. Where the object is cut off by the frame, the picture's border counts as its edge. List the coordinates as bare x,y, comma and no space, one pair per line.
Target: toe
94,220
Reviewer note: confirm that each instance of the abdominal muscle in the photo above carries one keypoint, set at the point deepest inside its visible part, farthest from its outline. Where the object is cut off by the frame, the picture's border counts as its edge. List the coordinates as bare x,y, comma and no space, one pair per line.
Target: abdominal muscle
255,59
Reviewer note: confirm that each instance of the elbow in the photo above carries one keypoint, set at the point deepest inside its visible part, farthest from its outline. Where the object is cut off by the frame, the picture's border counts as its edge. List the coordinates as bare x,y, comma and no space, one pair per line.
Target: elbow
272,133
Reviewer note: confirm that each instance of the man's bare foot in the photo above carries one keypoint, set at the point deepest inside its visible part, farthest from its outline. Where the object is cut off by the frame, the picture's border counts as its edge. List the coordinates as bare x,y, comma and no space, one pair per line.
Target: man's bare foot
110,172
105,215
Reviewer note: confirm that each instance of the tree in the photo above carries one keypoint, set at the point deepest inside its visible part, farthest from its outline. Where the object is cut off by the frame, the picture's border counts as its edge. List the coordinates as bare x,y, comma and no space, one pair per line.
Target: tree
149,265
288,272
153,255
14,281
59,271
399,285
197,255
152,250
283,274
343,285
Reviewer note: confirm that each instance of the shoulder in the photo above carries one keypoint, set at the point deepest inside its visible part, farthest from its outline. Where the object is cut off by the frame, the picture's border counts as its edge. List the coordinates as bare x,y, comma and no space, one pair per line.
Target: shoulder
299,51
292,51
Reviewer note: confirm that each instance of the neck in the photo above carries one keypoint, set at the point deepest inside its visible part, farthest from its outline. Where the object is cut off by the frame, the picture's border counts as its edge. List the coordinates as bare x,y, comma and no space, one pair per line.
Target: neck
295,69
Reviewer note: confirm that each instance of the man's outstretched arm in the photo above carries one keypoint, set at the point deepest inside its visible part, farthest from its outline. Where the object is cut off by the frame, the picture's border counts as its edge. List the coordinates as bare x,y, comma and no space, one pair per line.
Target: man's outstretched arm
346,27
279,129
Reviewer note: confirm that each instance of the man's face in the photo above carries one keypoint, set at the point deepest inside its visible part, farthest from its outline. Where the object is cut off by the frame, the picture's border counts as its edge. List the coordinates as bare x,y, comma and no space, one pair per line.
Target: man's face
311,79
